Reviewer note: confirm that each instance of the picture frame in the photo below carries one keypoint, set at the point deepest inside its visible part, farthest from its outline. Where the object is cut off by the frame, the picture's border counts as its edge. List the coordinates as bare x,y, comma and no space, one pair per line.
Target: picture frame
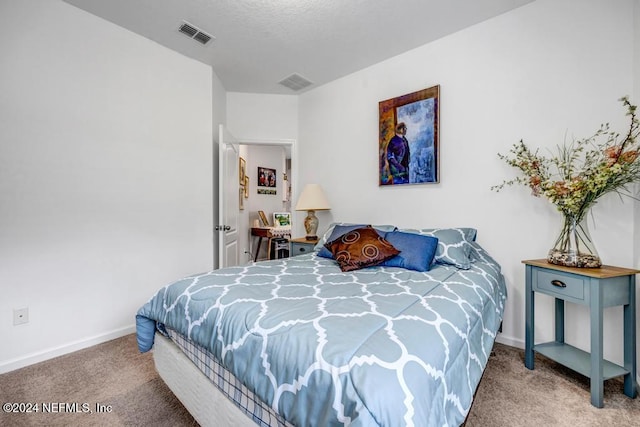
409,146
282,219
241,198
263,219
266,180
242,170
246,186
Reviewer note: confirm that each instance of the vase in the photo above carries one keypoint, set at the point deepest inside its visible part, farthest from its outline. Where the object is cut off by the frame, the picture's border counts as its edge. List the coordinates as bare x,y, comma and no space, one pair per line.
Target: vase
574,246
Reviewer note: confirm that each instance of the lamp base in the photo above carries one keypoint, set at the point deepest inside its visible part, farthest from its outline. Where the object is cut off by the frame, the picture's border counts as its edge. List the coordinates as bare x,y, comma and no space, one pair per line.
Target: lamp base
311,225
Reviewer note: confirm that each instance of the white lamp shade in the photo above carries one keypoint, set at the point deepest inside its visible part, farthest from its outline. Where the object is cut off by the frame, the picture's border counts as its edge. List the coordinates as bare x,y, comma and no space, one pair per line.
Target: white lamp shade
312,199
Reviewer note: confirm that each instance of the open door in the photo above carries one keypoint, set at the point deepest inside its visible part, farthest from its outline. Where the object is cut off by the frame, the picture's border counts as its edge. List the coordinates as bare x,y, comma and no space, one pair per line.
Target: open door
228,208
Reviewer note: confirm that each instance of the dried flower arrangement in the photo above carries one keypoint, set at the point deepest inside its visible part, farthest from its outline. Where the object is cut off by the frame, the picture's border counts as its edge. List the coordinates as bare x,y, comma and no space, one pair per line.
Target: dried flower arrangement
574,179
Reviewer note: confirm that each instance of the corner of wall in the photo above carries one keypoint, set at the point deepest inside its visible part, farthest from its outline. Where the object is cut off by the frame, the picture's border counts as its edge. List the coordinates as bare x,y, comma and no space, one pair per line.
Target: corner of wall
636,96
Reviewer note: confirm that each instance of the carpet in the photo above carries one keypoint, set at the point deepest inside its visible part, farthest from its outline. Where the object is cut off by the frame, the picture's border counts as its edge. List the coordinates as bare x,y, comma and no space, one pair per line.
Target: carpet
112,384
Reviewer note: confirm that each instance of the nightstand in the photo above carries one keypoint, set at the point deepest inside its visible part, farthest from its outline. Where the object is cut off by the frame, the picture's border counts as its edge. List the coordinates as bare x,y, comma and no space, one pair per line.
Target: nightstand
302,246
597,288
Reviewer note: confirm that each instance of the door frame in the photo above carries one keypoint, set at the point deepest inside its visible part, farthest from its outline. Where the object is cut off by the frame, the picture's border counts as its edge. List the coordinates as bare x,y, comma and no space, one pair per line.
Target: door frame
244,228
291,145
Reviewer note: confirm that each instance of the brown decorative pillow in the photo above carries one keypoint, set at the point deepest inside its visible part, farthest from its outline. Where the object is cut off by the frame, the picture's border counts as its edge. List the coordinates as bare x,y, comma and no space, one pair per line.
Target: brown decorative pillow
361,248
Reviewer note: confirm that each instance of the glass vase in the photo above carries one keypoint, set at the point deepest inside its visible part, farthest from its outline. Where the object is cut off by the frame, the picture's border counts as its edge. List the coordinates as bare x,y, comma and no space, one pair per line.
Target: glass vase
574,247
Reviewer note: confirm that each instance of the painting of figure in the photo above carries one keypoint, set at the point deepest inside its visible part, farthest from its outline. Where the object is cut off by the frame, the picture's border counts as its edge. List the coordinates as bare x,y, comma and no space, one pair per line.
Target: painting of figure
408,143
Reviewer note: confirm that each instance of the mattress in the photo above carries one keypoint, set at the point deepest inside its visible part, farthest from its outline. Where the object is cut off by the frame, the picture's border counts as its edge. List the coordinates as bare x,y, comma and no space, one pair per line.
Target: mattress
378,346
227,384
207,404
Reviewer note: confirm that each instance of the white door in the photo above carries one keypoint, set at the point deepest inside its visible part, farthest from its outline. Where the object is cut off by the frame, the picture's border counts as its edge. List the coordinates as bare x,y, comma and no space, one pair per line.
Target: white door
228,209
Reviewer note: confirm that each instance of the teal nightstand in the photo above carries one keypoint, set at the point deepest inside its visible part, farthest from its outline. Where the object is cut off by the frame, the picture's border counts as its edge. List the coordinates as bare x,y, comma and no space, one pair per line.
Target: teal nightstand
597,288
302,246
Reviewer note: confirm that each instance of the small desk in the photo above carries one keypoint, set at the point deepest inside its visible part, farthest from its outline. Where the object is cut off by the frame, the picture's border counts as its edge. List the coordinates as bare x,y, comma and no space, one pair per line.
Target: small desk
597,288
269,233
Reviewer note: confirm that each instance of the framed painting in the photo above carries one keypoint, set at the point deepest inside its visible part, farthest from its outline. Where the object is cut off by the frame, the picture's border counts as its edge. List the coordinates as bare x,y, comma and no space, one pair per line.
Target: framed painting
282,219
241,199
263,219
266,180
242,170
408,146
246,186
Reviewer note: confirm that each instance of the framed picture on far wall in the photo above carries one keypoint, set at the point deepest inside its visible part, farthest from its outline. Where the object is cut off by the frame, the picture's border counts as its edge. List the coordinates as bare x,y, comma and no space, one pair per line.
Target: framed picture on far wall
408,149
242,170
266,180
263,219
282,219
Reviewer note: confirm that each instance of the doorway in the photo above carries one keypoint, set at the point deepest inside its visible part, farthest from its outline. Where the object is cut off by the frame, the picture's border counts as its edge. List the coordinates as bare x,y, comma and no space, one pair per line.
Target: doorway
254,153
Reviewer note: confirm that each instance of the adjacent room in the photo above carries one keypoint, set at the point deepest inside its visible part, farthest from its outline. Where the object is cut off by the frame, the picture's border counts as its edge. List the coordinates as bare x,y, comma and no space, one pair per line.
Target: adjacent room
317,213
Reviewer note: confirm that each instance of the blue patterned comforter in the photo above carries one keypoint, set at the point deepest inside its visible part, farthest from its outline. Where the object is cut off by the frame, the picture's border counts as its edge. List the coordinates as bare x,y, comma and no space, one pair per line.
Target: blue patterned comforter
379,346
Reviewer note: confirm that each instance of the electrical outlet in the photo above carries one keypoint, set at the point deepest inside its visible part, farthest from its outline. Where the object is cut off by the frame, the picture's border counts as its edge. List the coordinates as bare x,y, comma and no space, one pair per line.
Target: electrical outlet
20,316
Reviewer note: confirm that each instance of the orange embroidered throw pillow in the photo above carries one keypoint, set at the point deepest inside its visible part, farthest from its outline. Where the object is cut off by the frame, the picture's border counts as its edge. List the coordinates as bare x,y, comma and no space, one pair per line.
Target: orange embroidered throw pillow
359,248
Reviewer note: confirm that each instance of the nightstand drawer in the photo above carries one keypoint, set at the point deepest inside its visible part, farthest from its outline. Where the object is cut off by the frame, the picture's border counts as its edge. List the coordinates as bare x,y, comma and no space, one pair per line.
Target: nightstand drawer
301,248
555,283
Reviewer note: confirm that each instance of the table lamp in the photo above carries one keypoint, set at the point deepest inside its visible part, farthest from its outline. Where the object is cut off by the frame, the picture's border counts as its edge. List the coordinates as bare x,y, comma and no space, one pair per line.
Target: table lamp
312,199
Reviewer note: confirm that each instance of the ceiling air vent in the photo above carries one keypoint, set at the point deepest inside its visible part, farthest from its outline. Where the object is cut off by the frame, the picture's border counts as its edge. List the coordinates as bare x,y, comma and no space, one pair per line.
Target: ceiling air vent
194,33
295,82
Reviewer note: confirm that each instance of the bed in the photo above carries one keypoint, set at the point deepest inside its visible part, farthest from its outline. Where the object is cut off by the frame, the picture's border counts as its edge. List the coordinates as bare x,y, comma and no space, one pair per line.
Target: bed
399,339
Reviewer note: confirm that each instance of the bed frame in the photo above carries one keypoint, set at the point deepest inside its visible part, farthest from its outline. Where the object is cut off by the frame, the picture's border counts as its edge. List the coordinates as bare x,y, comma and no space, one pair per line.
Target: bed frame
196,392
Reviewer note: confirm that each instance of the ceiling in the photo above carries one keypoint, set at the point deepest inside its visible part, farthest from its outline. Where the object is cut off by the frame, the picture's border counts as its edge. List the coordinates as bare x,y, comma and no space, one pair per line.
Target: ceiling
258,43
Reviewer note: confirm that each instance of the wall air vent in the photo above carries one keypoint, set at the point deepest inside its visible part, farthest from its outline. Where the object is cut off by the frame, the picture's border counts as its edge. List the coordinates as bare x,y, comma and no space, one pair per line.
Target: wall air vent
295,82
195,33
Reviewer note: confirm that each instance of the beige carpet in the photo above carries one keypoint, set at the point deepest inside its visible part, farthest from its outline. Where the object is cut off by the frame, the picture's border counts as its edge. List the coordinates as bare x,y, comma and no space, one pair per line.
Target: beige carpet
550,395
113,373
116,376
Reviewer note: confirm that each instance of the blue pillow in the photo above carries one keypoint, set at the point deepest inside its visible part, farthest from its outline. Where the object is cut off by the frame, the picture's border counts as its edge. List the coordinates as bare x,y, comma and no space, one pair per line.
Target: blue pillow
454,245
416,251
341,229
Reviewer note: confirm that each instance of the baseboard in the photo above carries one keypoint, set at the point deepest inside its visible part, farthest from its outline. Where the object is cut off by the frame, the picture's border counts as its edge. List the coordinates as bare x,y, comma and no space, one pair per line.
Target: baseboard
41,356
510,341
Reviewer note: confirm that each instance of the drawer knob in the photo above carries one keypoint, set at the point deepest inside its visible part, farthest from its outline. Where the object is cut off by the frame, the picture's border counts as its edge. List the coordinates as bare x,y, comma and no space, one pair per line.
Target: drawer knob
302,249
558,283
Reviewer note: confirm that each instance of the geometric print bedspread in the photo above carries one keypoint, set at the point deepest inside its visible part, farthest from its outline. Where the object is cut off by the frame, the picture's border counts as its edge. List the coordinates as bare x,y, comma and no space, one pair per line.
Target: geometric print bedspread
381,346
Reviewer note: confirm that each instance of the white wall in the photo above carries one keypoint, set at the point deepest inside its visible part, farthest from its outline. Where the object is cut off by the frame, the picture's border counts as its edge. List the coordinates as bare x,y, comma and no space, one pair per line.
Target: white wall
261,117
541,72
105,176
